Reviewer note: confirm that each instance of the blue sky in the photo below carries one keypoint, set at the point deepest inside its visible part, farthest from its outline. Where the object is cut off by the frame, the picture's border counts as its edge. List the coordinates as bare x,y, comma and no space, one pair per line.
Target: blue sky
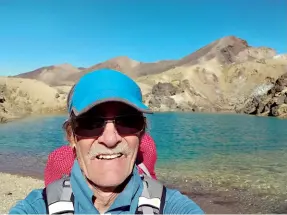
36,33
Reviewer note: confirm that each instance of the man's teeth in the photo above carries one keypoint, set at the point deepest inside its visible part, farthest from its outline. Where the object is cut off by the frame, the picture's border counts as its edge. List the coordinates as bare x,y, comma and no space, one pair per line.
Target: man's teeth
109,157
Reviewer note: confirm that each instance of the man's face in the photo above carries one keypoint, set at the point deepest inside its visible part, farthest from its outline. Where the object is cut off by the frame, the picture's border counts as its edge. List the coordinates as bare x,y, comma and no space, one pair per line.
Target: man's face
107,153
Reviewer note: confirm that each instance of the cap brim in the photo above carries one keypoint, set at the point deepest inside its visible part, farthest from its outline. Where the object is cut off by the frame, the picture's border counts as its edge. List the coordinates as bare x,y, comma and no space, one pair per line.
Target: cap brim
92,100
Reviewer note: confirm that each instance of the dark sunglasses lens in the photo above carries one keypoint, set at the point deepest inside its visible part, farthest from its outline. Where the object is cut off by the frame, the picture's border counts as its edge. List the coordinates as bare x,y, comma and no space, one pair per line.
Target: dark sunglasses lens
88,126
130,124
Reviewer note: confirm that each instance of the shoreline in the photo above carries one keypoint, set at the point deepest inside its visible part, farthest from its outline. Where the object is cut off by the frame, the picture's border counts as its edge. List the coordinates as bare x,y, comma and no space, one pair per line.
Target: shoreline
34,115
15,187
4,120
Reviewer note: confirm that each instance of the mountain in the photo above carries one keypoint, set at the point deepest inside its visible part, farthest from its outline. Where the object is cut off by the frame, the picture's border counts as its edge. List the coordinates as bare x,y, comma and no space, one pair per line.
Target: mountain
223,51
128,66
215,78
219,77
52,75
122,63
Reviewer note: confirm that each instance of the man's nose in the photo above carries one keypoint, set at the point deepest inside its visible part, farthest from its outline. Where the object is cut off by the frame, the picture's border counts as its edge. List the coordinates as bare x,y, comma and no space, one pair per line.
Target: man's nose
110,136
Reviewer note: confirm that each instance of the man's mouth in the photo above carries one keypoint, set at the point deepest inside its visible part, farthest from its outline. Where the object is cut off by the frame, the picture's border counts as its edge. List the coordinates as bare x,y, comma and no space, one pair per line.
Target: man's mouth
109,156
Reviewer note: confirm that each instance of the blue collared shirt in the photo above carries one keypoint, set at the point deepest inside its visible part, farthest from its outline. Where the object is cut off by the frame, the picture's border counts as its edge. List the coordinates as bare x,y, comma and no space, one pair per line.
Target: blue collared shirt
125,203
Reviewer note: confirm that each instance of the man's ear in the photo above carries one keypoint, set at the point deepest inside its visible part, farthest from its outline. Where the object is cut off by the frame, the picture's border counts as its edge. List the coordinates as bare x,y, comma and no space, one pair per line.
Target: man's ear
70,134
72,138
141,136
143,131
72,141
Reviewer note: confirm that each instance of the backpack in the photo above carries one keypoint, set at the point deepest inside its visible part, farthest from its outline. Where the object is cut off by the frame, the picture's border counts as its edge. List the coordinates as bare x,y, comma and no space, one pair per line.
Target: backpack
60,198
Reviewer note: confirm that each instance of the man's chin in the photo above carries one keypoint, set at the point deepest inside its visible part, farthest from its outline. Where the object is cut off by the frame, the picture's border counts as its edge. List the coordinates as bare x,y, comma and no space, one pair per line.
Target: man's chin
111,180
111,177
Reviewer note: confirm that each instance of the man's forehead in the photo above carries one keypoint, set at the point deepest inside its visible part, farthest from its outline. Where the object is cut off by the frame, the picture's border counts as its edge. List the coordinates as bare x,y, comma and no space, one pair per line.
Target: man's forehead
112,109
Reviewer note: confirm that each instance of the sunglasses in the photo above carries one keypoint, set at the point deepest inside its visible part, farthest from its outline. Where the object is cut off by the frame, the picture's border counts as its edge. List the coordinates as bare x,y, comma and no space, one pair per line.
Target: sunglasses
91,126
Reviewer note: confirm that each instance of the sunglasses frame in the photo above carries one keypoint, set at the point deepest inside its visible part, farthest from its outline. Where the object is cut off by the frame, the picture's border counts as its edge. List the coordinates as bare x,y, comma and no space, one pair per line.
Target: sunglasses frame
106,120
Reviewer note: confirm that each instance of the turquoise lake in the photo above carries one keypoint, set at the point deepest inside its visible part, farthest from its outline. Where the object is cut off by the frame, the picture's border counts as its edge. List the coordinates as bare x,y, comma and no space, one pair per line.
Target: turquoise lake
237,151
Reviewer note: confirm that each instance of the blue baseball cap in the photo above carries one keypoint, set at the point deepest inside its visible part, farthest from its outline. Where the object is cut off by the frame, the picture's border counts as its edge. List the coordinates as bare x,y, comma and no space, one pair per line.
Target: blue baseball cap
105,85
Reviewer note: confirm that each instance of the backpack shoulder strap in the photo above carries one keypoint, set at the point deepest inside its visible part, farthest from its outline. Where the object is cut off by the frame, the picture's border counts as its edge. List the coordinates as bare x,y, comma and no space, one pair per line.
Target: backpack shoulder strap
59,197
152,198
144,169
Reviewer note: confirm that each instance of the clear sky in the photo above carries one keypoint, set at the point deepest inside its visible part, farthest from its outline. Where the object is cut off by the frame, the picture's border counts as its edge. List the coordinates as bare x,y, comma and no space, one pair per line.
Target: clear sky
36,33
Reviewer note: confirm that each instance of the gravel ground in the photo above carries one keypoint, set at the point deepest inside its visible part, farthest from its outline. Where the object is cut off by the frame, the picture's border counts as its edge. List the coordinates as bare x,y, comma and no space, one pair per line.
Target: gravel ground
14,188
211,199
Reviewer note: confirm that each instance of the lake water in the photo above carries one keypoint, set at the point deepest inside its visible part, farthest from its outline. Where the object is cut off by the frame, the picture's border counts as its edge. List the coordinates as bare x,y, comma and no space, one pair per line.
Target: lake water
229,151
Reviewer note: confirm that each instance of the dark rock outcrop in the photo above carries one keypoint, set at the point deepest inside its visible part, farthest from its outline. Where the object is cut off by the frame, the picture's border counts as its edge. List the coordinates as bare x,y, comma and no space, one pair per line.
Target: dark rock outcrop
162,97
158,101
273,103
164,89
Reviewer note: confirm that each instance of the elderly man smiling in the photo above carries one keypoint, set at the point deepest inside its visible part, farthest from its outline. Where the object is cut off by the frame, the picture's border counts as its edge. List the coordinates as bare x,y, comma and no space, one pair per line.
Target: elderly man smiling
105,126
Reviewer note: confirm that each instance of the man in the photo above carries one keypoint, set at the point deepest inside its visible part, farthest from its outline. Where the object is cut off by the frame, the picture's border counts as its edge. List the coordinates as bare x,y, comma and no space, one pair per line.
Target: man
61,160
105,127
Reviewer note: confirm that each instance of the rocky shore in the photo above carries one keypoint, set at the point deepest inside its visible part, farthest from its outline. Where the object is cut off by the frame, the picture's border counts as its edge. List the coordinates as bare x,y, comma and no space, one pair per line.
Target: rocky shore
269,99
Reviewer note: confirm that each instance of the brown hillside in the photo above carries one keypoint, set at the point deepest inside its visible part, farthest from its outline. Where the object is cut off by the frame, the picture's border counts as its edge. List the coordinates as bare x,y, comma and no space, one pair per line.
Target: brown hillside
51,75
218,77
224,51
